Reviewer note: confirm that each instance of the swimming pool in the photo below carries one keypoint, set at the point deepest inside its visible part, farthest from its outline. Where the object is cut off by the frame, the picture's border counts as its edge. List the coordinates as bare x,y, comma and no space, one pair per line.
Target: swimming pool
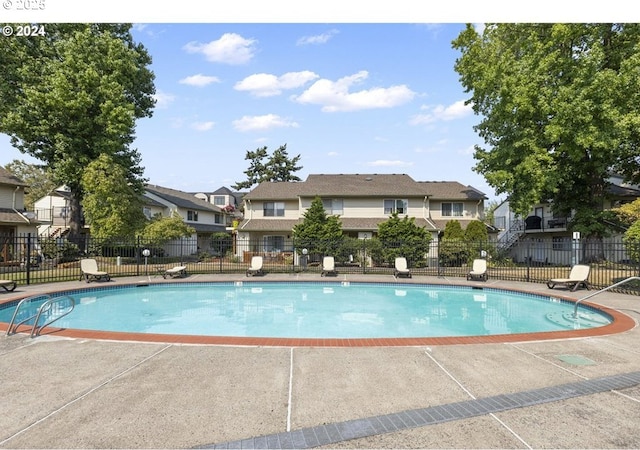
319,312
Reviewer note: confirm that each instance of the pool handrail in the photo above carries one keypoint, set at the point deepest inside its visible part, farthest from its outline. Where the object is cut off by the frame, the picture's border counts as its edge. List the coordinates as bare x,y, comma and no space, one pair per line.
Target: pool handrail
593,294
35,331
47,305
13,329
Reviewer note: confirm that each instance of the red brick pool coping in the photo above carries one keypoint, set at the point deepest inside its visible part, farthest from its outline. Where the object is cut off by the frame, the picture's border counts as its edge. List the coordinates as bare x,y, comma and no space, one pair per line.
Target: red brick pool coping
620,323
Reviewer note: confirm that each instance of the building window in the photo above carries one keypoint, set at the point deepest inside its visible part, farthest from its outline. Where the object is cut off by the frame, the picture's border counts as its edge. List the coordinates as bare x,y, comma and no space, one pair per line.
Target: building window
273,243
219,200
452,209
399,206
333,206
561,243
218,218
147,212
192,216
273,209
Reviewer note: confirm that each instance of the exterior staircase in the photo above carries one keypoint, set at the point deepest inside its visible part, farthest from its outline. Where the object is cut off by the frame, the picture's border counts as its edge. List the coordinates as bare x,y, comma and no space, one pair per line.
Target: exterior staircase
512,235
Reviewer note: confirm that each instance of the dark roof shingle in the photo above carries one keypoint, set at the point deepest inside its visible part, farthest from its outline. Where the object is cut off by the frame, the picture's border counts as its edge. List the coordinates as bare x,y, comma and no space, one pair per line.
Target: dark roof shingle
363,185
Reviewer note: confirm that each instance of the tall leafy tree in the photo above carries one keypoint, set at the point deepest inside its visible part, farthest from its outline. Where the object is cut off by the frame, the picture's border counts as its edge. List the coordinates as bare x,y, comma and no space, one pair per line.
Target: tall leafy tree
75,94
264,167
112,206
559,108
38,177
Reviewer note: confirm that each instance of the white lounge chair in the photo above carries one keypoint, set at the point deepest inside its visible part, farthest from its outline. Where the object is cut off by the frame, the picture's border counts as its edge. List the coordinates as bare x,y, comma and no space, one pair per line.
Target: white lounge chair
328,266
577,278
8,285
256,266
177,271
89,268
478,270
401,268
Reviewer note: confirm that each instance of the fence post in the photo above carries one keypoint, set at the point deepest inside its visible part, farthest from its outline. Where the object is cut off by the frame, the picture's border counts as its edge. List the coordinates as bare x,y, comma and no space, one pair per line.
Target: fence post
28,258
528,277
138,252
221,253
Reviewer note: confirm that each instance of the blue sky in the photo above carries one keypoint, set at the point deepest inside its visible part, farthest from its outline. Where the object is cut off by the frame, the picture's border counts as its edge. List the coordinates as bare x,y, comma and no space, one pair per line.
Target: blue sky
348,98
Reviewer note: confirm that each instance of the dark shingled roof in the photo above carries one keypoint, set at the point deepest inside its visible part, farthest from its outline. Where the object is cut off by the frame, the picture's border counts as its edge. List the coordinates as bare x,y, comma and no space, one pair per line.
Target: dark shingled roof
348,224
363,185
182,199
7,177
10,216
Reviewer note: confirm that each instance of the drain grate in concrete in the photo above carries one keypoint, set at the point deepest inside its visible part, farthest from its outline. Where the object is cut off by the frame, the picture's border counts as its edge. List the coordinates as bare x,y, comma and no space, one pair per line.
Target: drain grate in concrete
576,360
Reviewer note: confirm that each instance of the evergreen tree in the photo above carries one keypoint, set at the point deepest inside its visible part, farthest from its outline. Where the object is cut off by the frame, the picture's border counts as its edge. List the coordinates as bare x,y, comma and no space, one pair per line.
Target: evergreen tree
277,167
402,237
453,250
318,232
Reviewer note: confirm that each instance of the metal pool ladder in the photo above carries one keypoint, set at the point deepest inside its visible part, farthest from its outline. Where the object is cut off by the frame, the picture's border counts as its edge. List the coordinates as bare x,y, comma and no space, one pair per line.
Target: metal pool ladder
52,309
626,280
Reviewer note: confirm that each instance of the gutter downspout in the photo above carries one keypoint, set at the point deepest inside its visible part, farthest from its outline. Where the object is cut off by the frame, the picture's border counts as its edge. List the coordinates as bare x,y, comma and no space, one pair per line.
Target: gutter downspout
13,206
426,205
248,208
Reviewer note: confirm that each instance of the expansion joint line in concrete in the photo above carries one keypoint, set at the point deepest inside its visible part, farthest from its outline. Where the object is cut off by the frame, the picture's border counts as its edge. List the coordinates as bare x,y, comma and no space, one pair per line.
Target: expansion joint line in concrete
89,392
333,433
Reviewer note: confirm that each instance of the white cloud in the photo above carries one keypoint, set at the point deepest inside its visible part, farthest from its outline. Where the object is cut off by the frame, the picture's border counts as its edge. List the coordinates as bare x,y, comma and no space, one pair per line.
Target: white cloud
202,126
317,39
199,80
389,163
440,113
163,100
268,85
335,96
265,122
231,48
333,154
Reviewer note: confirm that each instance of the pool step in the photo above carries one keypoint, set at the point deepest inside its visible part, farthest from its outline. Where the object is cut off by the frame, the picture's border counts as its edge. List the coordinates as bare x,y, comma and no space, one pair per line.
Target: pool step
585,319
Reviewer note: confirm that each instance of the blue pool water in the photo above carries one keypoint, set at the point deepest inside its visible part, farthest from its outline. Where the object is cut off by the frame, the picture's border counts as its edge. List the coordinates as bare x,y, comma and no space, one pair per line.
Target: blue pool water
320,310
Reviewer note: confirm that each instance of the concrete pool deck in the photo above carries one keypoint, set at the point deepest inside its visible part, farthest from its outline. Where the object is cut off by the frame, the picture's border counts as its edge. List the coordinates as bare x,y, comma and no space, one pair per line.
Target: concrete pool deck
580,392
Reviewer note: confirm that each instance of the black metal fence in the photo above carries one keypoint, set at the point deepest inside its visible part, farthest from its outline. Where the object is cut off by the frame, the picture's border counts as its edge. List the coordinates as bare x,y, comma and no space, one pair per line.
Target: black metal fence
31,259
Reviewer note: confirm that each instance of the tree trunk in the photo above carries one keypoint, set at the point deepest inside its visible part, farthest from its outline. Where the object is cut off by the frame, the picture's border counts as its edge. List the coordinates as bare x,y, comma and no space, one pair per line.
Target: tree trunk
75,218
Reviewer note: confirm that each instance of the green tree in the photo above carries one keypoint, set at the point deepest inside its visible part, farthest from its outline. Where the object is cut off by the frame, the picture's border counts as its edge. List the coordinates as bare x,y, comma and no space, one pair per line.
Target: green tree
318,232
72,95
277,167
476,231
631,241
38,177
629,213
112,206
489,212
162,229
477,238
453,250
402,237
629,217
559,108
